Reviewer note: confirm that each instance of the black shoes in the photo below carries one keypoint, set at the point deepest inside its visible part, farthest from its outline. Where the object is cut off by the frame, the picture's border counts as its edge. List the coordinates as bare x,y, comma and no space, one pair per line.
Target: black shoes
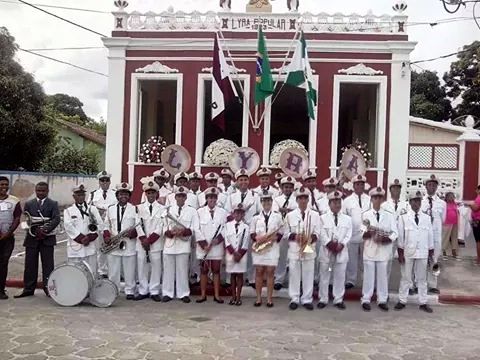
3,295
340,306
130,297
434,291
383,306
277,286
399,306
413,291
308,306
321,305
293,306
349,286
141,297
156,298
218,301
166,299
426,308
201,300
366,307
186,299
269,304
23,294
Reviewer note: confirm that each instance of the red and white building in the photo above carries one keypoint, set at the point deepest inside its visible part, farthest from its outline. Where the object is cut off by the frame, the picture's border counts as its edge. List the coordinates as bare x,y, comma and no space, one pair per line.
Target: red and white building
160,76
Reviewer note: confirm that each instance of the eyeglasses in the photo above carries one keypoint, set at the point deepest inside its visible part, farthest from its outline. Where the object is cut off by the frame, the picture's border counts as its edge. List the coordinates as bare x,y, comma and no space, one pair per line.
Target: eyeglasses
104,180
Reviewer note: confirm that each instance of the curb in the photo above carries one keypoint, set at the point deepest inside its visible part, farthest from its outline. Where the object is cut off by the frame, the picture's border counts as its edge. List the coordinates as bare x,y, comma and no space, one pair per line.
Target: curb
459,299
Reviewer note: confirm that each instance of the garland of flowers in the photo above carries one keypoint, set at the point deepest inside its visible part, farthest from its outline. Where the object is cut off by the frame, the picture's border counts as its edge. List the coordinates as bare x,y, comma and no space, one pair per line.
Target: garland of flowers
362,148
219,152
151,151
281,146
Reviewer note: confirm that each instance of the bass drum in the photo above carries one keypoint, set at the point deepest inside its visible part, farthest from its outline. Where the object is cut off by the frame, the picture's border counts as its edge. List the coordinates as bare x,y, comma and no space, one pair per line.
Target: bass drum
70,283
103,293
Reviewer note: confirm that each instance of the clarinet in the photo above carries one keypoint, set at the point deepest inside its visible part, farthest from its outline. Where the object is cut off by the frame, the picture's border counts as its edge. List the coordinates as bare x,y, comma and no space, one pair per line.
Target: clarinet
213,239
147,250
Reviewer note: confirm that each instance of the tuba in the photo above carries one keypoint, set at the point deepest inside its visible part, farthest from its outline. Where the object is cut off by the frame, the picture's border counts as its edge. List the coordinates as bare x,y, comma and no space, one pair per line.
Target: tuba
33,223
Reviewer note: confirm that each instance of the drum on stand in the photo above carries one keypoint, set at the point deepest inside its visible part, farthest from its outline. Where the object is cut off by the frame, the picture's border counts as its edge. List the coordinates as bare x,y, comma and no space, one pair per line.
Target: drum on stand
103,293
70,283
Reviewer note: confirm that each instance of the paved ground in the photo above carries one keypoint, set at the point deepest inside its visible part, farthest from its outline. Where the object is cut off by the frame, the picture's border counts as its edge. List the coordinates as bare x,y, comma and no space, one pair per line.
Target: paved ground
36,329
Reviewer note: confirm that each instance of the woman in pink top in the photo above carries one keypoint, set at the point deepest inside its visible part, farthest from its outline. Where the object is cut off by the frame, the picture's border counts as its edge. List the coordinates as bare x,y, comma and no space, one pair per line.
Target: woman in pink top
450,227
476,222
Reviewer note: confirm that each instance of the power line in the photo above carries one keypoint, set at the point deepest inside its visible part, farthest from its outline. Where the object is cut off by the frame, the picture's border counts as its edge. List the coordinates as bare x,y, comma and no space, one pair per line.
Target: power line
69,48
61,18
440,57
475,15
59,7
63,62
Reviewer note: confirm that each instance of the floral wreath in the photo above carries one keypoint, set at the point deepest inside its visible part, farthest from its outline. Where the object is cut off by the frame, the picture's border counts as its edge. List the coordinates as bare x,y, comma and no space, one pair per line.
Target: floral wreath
151,151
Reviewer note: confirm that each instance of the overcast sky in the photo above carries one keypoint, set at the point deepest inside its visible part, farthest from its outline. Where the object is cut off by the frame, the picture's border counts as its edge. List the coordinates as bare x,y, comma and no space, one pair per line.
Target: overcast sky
34,29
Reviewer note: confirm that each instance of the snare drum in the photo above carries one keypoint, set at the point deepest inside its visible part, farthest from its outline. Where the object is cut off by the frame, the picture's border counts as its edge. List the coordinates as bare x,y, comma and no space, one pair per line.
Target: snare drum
103,293
70,283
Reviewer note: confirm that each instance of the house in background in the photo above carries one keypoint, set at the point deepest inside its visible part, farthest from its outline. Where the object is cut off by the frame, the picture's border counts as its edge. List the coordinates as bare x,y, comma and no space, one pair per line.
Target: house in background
83,138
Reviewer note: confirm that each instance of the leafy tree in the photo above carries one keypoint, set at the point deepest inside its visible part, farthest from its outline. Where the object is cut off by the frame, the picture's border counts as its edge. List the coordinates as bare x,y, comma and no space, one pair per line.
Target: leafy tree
63,157
68,105
463,80
24,133
427,97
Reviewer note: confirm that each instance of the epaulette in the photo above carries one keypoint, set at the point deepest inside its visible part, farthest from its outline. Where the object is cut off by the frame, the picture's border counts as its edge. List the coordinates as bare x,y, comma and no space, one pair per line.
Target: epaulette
14,197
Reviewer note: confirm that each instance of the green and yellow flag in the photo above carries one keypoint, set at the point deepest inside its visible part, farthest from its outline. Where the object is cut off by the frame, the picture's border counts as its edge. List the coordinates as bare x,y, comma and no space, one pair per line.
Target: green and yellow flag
264,86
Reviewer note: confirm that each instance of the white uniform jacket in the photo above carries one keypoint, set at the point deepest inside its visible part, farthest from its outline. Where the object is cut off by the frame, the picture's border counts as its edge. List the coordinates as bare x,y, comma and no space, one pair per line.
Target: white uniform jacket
221,200
342,232
281,202
115,223
295,225
209,228
251,204
373,251
151,224
259,226
351,207
259,190
401,208
230,190
236,241
96,199
192,200
188,218
313,200
438,212
415,240
75,224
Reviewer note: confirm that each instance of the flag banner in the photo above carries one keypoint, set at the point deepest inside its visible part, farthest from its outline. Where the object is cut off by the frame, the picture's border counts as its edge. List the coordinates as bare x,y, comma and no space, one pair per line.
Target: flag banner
264,83
300,75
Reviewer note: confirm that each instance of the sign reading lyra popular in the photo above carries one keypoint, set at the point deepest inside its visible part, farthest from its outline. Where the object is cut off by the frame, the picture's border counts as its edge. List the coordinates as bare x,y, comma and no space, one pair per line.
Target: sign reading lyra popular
251,22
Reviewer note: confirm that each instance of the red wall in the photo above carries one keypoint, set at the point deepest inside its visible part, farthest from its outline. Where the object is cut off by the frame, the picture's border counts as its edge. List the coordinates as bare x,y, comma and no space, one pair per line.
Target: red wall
470,178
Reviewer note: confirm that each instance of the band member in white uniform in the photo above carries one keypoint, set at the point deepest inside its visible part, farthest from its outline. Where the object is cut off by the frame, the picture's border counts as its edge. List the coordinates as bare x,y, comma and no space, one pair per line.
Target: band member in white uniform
397,207
210,246
180,225
379,232
329,186
211,179
181,180
251,203
82,224
310,182
336,233
302,230
227,186
284,204
122,217
236,246
264,179
150,244
102,198
195,179
415,247
277,184
436,208
161,178
266,231
354,205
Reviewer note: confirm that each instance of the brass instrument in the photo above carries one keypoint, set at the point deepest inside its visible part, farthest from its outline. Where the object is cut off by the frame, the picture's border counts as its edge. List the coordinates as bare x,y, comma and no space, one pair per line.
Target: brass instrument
379,233
266,242
32,224
305,237
117,241
167,215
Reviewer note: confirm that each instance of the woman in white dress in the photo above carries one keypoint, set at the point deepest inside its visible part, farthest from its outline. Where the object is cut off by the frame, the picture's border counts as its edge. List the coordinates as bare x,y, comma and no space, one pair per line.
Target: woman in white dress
266,231
236,245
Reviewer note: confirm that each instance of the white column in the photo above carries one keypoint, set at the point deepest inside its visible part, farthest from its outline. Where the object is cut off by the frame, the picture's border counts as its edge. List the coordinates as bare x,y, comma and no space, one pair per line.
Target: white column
115,118
399,117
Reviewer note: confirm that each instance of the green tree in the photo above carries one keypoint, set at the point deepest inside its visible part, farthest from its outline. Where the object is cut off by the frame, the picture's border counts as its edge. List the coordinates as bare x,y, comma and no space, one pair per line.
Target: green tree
63,157
68,105
463,80
428,98
25,135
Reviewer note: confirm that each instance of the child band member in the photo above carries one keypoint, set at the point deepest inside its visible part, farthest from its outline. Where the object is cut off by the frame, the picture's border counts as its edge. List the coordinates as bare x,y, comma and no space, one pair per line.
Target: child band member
180,225
150,244
82,224
335,235
380,231
210,246
303,228
415,248
236,245
266,231
122,218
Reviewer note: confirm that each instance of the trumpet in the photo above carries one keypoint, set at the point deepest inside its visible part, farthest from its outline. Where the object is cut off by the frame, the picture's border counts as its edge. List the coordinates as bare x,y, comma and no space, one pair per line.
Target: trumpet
167,215
379,233
266,242
305,239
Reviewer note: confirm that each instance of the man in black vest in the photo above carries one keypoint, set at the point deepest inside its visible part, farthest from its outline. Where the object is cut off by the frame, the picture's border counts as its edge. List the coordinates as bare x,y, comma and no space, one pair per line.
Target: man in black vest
43,211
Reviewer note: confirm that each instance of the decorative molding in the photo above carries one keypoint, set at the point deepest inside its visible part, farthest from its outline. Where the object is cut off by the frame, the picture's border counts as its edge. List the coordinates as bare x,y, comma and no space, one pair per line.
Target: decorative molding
157,67
285,70
360,69
233,70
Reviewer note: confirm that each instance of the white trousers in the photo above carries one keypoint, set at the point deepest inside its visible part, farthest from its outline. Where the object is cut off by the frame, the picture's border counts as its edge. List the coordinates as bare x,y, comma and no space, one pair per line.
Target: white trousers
390,262
301,271
194,267
90,260
115,264
354,257
101,258
419,267
149,275
316,278
175,275
432,280
281,269
375,270
338,271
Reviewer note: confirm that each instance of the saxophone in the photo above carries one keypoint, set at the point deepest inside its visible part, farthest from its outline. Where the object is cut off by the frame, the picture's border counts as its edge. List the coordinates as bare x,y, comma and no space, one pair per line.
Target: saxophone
117,241
266,242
